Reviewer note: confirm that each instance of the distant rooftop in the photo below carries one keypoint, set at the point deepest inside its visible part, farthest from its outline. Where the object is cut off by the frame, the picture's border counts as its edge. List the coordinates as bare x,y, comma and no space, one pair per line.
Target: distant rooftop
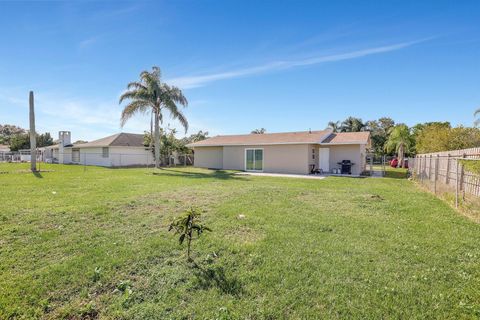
117,140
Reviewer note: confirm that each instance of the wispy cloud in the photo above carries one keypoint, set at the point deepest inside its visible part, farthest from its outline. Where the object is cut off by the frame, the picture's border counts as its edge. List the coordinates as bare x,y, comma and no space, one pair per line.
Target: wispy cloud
88,42
117,12
201,80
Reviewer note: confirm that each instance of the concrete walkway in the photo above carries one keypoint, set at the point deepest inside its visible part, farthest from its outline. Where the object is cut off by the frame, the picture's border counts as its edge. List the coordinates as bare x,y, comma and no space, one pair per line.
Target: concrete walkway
283,175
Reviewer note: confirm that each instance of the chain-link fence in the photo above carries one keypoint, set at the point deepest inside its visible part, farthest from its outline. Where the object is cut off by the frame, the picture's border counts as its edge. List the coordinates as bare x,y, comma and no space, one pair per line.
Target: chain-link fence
448,174
103,158
376,165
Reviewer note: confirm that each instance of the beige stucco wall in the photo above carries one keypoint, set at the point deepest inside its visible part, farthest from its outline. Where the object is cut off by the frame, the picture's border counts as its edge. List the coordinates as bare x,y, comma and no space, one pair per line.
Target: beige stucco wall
347,152
276,158
209,157
292,158
295,158
313,155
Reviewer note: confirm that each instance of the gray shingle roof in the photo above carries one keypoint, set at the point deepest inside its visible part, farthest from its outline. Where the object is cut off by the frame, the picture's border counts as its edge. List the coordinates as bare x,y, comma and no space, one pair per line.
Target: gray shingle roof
117,140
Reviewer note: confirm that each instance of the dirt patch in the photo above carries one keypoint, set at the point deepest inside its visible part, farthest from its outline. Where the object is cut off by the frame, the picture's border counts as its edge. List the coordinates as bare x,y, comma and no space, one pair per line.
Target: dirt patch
370,197
244,235
181,199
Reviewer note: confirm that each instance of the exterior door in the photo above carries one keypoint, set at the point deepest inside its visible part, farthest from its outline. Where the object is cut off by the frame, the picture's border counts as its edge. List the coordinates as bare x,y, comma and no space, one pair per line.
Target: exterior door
253,159
324,159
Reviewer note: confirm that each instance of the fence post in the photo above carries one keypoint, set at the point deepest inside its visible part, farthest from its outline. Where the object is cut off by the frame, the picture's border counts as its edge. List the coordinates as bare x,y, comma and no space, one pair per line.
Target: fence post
436,174
430,170
421,168
447,176
462,177
456,186
417,169
383,165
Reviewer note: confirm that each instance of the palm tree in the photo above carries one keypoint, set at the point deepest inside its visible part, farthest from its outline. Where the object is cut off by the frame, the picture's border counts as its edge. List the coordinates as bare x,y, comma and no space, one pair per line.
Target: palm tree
150,94
477,122
352,124
259,131
400,141
334,125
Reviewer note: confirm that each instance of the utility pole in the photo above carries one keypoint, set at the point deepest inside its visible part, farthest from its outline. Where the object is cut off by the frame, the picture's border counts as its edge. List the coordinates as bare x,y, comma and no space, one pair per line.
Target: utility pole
33,136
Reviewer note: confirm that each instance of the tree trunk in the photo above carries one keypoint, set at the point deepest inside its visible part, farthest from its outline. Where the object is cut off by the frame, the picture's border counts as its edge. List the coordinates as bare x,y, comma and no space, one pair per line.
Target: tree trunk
400,156
157,139
151,130
33,136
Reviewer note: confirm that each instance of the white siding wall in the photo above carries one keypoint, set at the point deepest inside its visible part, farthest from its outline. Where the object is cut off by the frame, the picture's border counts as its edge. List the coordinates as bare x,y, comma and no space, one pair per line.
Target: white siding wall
117,156
130,156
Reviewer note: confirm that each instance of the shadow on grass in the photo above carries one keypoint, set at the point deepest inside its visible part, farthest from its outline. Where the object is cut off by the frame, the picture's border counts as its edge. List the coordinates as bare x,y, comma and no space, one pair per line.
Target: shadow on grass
217,174
37,174
396,174
215,277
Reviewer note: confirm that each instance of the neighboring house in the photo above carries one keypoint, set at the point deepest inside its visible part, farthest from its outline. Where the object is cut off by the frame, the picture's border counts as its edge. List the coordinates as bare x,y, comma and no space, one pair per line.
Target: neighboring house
118,150
289,152
4,151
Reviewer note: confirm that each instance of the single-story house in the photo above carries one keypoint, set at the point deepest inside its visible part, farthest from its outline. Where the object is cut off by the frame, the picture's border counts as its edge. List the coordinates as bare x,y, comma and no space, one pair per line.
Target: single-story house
4,151
118,150
289,152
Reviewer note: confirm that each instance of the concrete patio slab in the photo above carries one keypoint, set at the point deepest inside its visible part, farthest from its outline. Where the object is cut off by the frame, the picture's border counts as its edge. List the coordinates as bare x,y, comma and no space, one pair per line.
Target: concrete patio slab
283,175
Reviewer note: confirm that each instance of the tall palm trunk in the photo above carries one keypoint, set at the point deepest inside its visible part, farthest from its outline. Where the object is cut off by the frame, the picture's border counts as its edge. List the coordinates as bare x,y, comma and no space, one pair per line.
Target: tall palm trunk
401,155
157,139
151,130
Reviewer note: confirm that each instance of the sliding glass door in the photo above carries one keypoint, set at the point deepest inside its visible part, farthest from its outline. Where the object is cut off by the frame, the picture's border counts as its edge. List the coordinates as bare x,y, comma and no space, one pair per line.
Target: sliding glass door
254,159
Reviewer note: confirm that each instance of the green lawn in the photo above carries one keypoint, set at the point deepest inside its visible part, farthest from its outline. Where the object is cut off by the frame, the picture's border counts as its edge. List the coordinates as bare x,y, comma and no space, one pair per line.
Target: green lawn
78,243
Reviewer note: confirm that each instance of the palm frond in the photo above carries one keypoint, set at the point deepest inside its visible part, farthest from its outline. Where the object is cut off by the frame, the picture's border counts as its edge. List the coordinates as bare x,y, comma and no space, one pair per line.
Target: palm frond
175,94
137,106
152,82
136,94
136,85
176,114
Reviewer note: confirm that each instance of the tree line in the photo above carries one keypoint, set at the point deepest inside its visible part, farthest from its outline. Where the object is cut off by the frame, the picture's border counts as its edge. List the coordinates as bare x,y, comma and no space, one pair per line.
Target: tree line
18,138
392,138
170,144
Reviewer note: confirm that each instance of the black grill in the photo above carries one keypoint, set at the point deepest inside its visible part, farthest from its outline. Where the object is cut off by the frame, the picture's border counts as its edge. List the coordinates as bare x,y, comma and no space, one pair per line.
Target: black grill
346,166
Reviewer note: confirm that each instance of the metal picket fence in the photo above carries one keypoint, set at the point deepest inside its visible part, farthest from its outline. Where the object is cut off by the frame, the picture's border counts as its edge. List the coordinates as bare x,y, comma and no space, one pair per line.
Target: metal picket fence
445,173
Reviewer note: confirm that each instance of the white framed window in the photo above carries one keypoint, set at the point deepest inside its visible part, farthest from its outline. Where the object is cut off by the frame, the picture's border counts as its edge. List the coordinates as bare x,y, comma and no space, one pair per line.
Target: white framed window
254,159
313,153
105,152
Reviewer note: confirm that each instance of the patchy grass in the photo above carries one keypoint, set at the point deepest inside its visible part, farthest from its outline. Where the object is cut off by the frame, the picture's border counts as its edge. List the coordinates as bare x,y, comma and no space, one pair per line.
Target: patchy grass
93,243
471,165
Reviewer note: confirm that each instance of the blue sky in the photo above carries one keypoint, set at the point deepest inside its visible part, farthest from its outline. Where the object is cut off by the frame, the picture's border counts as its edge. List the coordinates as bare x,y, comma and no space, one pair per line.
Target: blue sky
281,65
